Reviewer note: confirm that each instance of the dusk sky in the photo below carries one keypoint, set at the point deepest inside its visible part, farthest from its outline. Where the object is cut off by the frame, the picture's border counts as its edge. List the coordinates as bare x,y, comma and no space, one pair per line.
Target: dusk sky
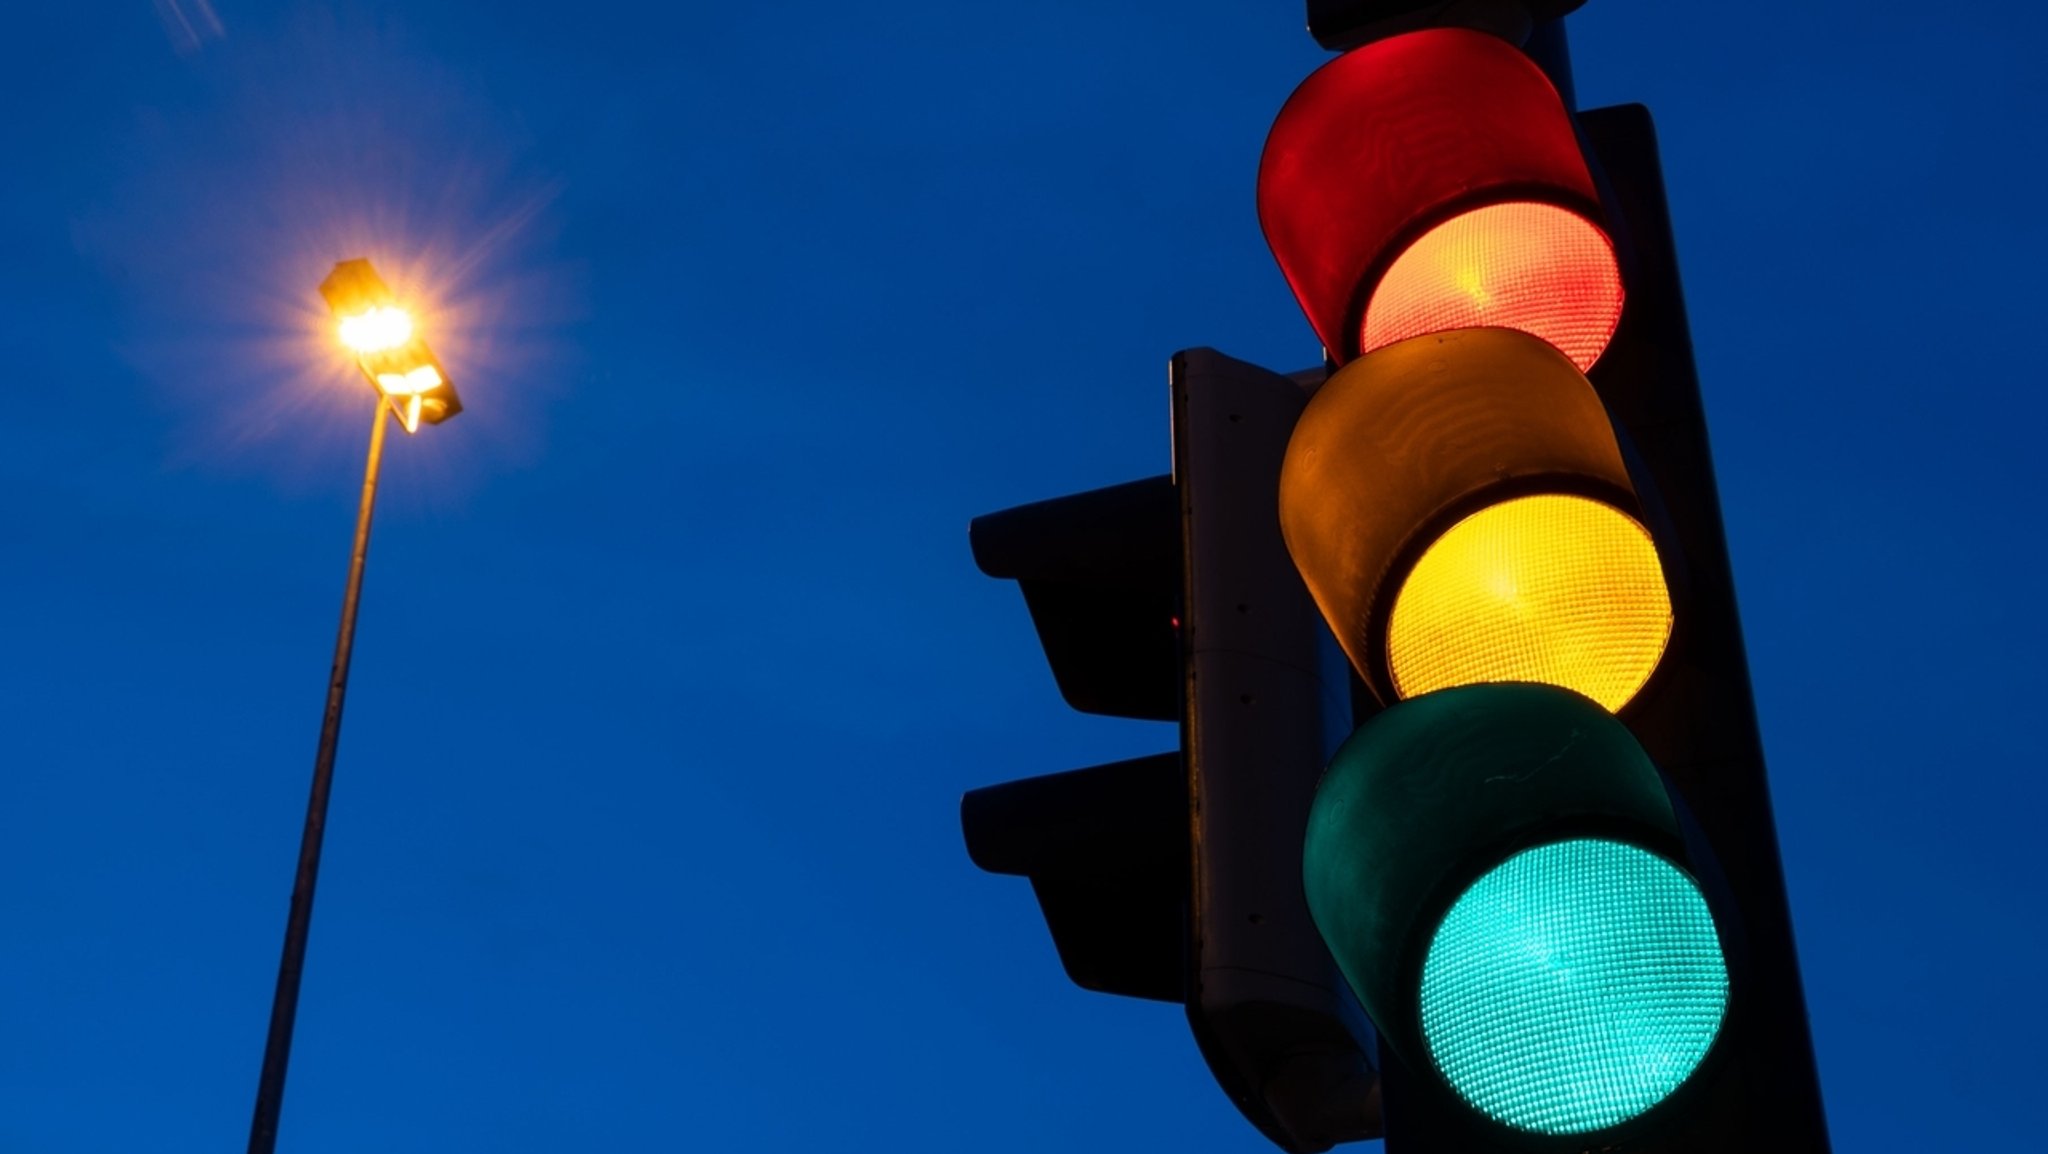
674,661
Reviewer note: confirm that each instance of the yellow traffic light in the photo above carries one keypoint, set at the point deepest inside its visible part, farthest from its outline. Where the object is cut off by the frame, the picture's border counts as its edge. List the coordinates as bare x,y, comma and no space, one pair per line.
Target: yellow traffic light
1458,506
1554,588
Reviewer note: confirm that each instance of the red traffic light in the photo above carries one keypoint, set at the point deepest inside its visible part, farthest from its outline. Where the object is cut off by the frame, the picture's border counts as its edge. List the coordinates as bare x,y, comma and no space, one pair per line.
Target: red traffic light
1434,181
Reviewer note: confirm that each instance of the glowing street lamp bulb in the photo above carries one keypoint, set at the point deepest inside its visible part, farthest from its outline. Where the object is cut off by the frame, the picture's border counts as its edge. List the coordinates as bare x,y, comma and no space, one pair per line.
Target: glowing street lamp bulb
377,330
409,384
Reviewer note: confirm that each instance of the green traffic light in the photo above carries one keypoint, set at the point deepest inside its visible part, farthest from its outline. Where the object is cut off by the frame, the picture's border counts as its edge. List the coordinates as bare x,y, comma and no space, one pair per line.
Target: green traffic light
1573,986
1500,874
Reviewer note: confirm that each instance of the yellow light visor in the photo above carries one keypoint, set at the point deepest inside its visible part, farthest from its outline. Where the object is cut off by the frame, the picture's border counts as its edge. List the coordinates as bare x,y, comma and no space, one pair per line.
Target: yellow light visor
1551,588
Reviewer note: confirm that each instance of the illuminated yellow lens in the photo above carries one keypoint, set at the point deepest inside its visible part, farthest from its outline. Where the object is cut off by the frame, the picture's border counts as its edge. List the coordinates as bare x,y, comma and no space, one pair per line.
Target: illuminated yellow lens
1561,590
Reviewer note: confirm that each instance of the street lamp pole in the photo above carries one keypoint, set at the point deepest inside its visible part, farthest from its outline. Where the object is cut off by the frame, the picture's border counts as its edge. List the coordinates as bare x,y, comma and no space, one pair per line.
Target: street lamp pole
412,386
284,1007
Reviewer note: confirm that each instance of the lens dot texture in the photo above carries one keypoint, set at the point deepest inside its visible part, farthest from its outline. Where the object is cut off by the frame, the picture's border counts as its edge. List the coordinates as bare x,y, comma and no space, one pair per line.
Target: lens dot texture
1557,589
1535,267
1573,987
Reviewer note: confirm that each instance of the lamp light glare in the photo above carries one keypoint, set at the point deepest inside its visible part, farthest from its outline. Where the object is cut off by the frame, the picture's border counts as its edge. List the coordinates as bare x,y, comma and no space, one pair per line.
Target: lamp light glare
378,330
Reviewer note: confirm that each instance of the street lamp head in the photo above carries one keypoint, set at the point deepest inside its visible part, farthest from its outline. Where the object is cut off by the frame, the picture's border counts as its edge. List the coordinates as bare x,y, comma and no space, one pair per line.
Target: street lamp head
392,356
411,378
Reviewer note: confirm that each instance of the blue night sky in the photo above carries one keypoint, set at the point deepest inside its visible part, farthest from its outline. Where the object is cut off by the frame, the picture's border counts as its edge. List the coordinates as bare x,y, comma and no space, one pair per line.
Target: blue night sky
674,662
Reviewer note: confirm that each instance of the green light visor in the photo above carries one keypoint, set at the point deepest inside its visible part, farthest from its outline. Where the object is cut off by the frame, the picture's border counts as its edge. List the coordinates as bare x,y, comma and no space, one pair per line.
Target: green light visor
1573,986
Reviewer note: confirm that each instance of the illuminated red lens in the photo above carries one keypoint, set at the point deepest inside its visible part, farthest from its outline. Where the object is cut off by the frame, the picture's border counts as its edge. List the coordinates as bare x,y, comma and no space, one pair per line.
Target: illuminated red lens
1535,267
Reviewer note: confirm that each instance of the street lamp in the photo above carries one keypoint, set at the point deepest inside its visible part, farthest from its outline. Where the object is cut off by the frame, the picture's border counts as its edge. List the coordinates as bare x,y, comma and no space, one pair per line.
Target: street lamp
412,386
392,355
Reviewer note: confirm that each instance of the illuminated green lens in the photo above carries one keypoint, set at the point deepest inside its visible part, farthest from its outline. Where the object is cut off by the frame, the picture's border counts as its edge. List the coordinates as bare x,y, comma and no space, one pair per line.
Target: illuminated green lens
1573,987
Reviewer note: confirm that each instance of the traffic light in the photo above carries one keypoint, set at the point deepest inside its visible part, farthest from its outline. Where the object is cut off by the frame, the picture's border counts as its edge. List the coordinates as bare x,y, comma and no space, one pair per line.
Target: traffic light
1545,862
1538,884
1105,848
1178,876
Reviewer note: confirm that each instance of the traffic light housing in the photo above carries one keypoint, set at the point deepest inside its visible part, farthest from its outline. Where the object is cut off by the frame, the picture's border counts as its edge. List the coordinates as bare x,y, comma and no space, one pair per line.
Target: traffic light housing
1105,847
1511,497
1100,572
1265,703
1106,850
1177,877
